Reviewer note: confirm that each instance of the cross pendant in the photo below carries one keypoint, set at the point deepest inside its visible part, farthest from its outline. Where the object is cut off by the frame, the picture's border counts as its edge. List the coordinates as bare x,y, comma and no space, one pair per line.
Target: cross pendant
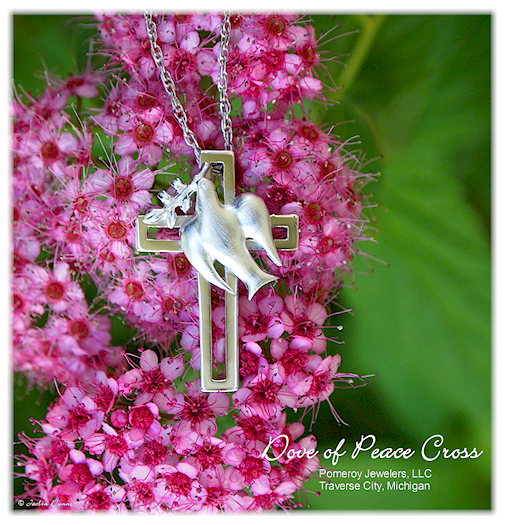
230,382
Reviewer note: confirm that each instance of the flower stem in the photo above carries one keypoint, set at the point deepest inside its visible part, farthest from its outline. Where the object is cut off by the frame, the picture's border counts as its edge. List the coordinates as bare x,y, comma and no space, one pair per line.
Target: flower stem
370,25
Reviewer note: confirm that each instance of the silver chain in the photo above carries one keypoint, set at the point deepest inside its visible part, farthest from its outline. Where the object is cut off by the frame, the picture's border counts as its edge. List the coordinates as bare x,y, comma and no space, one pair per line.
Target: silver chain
170,87
225,106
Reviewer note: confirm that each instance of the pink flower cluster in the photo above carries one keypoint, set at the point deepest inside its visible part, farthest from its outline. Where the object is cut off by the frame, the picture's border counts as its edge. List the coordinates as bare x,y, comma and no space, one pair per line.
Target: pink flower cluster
130,429
140,443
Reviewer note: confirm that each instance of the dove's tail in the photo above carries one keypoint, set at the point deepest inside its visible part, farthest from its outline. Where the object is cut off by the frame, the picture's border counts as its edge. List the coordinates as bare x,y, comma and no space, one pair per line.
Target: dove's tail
255,282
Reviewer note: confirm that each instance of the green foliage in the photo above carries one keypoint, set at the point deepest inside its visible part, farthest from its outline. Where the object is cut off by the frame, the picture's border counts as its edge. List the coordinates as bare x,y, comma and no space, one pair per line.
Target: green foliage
57,44
422,319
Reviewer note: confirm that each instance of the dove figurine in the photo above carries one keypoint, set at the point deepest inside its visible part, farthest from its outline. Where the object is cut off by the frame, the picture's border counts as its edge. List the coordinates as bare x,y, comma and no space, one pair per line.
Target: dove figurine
217,232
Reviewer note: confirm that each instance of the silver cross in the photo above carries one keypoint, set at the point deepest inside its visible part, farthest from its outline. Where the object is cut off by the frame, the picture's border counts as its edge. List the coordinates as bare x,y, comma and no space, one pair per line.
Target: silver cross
229,383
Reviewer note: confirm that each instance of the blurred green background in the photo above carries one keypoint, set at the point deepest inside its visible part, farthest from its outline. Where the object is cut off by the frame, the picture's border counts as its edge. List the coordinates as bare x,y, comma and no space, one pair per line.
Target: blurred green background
417,90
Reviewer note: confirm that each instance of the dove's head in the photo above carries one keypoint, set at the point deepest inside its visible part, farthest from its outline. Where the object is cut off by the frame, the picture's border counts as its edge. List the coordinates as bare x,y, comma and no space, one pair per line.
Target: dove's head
206,192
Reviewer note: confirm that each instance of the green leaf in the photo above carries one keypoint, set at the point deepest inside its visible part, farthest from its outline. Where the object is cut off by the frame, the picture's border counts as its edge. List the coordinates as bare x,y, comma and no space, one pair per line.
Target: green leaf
57,43
423,322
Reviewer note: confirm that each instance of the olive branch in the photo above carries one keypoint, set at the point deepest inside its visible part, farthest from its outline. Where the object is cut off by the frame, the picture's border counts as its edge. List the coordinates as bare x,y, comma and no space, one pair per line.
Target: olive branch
166,216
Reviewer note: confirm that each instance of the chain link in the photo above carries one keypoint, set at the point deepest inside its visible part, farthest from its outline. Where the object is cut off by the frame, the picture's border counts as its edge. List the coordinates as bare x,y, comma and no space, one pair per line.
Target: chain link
225,106
170,87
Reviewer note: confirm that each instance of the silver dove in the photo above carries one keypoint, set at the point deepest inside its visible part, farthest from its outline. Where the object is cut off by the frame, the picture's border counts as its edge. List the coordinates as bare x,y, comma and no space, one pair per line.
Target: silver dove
217,232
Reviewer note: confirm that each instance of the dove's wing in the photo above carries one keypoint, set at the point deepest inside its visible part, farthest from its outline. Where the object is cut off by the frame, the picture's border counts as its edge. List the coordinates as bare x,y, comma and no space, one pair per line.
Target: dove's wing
195,250
255,221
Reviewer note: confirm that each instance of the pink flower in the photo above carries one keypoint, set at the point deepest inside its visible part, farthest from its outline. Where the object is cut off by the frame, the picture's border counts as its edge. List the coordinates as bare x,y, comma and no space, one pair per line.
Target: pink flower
282,159
330,247
141,94
83,334
141,487
26,246
250,468
319,384
190,342
75,414
23,307
124,184
208,452
55,288
277,196
143,420
103,498
154,451
49,146
267,496
297,469
153,379
49,106
173,302
251,362
112,110
111,233
272,31
197,411
294,359
305,320
112,445
220,496
82,86
81,474
263,397
180,487
252,433
259,318
131,292
146,133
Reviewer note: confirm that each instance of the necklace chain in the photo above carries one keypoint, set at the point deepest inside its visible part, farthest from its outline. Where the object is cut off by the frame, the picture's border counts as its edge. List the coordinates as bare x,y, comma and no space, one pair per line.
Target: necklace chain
225,106
170,87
